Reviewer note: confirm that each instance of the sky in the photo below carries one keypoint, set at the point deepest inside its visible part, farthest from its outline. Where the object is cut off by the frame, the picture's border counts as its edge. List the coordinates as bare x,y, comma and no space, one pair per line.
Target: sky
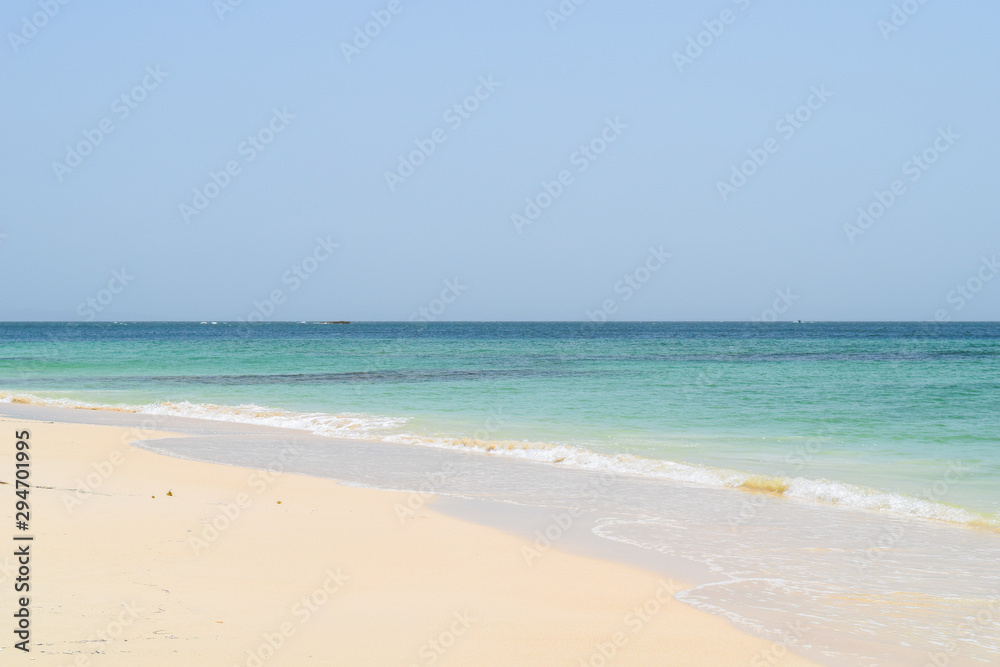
521,160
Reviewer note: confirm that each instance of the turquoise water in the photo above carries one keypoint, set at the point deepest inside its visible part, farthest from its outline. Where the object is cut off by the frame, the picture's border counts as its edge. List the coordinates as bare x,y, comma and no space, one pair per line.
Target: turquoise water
901,417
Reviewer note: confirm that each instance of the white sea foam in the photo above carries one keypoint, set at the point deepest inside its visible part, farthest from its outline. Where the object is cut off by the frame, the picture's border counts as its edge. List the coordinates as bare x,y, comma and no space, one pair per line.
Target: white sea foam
389,429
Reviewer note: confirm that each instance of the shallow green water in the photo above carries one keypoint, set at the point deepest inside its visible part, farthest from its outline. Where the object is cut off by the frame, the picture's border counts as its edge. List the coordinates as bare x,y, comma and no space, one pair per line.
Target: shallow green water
841,409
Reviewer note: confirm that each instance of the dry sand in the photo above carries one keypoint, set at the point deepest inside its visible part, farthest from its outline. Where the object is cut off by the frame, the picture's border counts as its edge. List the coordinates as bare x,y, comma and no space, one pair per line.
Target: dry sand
236,560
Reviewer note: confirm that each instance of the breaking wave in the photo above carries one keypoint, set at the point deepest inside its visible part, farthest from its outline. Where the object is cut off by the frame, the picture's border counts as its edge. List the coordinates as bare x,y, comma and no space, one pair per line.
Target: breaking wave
388,429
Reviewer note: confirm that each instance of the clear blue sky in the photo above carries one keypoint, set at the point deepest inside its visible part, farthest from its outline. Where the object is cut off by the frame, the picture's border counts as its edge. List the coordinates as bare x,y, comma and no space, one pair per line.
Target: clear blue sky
679,132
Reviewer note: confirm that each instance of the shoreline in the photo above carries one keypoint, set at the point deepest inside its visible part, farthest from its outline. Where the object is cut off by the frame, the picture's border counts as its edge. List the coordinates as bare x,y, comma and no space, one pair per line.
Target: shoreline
218,566
929,505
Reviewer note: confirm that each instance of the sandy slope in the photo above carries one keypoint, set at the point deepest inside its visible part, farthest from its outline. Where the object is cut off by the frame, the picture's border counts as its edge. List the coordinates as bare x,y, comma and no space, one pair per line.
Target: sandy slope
330,575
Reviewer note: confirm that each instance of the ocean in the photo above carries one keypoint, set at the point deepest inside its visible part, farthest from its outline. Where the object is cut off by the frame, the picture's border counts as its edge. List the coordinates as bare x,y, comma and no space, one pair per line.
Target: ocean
832,486
862,414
